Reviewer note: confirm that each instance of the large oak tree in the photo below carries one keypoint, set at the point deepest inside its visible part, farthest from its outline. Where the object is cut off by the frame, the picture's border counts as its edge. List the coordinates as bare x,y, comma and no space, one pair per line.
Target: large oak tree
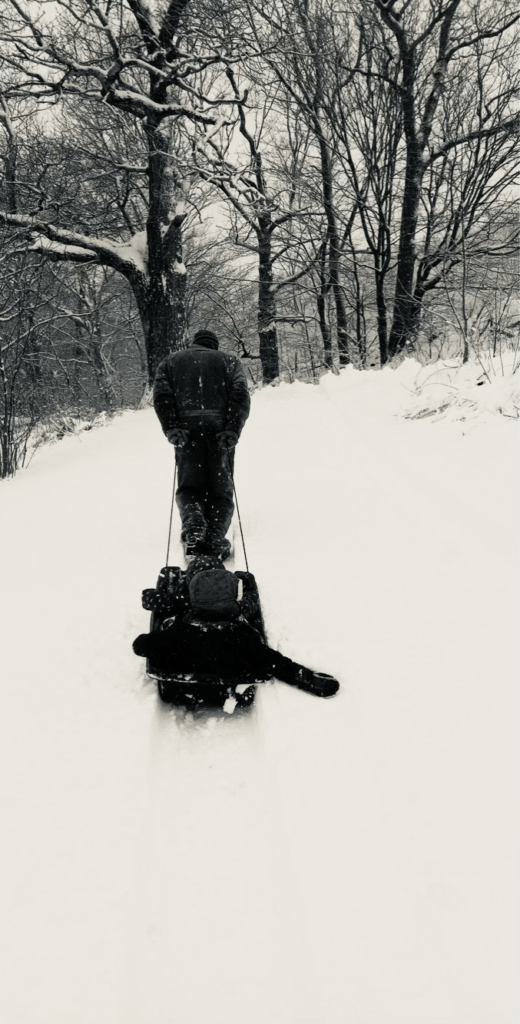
158,65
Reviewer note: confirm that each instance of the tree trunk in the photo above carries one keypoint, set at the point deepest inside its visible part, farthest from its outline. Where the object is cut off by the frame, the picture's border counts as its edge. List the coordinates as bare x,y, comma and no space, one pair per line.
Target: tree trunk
406,307
161,300
322,313
382,318
100,366
267,310
334,251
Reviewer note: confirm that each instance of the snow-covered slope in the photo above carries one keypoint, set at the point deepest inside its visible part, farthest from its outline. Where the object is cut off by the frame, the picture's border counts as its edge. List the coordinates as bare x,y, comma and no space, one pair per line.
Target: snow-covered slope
351,861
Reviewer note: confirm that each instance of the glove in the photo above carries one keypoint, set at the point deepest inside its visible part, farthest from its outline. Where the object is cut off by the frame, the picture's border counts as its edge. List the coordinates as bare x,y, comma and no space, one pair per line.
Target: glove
178,436
149,599
227,439
141,644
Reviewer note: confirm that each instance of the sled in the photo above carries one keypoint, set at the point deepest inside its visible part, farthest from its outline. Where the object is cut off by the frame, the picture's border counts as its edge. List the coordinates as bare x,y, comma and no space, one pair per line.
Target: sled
199,689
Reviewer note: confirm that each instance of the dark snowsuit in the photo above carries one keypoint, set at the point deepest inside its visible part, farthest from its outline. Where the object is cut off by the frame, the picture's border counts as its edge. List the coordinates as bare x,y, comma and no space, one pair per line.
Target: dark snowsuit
230,647
226,649
205,392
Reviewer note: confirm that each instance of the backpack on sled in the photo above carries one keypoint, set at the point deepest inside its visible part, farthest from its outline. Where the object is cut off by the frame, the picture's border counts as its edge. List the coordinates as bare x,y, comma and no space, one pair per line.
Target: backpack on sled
197,689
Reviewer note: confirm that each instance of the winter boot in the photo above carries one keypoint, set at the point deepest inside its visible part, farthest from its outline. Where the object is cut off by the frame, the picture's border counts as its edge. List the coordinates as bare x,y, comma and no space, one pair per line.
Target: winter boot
193,541
193,546
217,544
318,683
220,548
194,528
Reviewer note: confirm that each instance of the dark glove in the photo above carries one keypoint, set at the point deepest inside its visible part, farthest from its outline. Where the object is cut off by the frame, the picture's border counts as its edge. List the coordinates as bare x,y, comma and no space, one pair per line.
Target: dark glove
141,644
149,599
227,439
178,436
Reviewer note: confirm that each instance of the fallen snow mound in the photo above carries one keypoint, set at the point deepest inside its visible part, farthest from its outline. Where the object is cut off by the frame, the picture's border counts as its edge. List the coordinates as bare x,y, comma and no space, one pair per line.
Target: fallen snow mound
472,390
476,391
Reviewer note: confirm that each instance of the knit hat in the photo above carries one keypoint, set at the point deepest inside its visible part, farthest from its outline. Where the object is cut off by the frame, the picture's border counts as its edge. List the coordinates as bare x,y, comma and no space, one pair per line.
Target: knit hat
206,337
201,563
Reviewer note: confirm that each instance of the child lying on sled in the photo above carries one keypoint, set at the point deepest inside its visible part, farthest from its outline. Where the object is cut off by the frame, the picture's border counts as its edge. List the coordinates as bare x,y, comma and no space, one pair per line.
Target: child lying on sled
209,627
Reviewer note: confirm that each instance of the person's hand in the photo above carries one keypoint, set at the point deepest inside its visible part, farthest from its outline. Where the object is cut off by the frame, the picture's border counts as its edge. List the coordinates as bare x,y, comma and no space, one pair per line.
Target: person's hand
178,436
149,599
227,439
141,644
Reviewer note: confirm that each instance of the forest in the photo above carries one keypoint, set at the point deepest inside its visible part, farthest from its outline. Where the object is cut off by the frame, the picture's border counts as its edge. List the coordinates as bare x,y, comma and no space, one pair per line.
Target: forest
322,183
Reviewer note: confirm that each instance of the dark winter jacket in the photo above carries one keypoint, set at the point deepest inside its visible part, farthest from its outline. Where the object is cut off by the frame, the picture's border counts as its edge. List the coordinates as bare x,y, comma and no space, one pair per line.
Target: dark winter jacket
229,648
201,390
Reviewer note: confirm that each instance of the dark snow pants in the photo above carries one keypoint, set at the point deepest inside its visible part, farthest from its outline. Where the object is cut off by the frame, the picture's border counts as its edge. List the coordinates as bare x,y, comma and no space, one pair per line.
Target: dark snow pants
205,489
185,648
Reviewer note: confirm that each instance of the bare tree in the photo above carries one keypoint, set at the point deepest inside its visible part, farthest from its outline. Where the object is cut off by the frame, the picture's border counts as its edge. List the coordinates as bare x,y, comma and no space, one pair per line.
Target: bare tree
363,152
401,97
444,48
147,63
292,37
263,196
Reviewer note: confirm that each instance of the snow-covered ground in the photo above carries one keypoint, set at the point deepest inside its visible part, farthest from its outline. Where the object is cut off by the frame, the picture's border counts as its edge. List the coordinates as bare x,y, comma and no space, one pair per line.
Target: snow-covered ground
351,861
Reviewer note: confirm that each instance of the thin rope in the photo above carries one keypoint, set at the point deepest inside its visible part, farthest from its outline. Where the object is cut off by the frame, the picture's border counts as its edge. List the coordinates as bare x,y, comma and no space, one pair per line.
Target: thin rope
238,511
171,514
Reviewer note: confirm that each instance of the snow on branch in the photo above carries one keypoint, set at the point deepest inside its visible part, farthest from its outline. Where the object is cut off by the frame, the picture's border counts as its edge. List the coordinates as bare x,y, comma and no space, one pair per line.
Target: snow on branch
58,250
48,66
72,245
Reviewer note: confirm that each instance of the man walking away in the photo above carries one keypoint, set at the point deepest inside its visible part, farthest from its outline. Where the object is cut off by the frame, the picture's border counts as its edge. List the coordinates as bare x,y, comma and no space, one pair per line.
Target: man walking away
202,400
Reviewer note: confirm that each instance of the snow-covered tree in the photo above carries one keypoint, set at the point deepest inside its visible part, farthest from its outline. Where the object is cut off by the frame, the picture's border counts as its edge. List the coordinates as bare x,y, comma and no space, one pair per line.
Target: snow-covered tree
155,65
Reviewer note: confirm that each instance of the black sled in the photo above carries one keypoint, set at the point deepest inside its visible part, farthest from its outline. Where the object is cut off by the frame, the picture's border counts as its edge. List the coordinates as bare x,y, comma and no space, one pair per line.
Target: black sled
198,690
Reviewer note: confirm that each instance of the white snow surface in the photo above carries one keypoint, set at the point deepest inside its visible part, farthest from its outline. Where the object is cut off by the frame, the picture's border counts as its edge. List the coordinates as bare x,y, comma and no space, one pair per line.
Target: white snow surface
348,861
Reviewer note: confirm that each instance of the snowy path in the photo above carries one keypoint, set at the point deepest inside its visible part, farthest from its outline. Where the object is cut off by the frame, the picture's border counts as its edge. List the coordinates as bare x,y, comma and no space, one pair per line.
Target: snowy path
351,861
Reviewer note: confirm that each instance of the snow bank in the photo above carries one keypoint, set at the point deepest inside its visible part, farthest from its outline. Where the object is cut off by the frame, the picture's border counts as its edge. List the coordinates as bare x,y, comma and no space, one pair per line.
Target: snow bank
468,392
446,389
